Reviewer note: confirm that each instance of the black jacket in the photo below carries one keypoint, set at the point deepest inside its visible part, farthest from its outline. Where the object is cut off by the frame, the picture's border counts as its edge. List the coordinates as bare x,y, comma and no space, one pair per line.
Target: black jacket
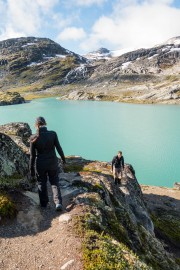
118,162
42,150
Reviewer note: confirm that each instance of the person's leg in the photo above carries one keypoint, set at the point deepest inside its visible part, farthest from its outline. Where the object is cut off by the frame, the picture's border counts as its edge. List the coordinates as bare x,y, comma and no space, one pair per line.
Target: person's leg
115,174
41,176
119,172
54,181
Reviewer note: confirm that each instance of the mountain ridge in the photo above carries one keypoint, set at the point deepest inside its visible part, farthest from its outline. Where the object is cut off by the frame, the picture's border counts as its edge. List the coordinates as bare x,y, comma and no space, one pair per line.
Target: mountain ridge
41,67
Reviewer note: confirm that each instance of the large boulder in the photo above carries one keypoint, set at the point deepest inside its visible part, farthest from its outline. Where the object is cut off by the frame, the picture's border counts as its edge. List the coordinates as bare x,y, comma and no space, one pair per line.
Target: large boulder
14,149
18,132
10,98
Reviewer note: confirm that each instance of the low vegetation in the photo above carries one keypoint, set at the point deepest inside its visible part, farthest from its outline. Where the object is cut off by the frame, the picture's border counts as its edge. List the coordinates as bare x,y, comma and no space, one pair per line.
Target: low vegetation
101,250
7,207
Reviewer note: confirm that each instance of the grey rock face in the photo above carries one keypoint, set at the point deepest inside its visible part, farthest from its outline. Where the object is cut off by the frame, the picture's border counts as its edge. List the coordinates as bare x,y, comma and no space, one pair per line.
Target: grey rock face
19,132
12,159
116,210
14,148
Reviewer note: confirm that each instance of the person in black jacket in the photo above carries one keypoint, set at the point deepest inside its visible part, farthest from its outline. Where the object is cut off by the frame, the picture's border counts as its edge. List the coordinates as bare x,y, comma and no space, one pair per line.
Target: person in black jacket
44,162
117,167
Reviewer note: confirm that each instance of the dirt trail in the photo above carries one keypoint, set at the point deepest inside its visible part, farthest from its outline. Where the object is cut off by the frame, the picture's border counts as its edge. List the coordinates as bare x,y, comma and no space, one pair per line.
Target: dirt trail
40,238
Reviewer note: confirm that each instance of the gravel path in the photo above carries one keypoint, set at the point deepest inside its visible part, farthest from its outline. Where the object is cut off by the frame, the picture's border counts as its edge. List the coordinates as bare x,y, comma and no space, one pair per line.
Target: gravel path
39,238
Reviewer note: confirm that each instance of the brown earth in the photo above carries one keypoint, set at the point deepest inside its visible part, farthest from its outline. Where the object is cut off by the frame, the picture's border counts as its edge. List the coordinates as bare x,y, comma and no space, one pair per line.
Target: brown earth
38,239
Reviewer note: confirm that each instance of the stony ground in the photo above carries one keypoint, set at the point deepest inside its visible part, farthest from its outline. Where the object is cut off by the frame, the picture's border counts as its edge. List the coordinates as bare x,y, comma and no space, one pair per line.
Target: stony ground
40,238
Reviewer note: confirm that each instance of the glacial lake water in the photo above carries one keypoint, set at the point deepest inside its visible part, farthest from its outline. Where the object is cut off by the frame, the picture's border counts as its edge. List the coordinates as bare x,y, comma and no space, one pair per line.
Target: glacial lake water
148,135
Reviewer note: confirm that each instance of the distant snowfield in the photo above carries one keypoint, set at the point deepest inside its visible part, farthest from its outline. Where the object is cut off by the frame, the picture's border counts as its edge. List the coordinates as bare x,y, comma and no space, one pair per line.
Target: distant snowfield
120,52
108,56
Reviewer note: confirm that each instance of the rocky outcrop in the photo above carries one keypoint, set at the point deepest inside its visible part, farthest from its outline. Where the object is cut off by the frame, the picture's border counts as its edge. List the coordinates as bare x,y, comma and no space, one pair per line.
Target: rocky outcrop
14,149
119,212
10,98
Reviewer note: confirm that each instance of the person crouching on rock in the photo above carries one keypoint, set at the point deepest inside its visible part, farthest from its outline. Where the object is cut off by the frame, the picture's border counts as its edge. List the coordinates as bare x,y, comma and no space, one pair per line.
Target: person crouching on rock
44,162
117,167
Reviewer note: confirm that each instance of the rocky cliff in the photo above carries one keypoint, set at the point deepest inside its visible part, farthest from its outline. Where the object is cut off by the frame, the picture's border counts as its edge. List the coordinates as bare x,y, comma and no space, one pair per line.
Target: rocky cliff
39,66
112,223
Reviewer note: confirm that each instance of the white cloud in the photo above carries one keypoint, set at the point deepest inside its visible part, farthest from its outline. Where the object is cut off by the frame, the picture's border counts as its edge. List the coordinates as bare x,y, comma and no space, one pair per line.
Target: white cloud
85,3
135,23
72,33
47,4
24,17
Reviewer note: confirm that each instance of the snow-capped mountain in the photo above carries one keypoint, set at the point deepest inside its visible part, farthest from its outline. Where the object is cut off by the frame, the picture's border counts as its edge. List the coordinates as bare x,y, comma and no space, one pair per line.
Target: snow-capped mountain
172,41
103,53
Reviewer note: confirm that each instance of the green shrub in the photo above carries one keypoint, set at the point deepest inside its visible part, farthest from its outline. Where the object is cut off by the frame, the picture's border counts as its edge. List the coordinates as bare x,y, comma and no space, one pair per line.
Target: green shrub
7,207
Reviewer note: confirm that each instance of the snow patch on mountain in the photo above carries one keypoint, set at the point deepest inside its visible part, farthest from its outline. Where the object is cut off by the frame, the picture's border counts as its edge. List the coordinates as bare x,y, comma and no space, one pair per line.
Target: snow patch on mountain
125,65
106,54
28,44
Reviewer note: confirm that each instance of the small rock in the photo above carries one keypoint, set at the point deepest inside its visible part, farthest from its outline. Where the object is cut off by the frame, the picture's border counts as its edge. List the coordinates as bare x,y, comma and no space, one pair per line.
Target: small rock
177,185
65,218
67,264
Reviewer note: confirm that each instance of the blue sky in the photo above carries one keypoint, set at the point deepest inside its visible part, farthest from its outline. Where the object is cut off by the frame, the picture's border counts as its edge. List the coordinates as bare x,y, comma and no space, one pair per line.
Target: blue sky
85,25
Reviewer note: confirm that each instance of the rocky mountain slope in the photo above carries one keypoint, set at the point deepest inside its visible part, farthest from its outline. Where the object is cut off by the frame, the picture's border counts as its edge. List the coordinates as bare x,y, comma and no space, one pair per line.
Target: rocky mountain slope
145,75
103,226
34,64
40,66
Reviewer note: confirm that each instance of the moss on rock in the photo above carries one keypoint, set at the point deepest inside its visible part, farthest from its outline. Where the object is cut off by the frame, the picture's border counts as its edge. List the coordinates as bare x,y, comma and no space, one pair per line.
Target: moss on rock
101,251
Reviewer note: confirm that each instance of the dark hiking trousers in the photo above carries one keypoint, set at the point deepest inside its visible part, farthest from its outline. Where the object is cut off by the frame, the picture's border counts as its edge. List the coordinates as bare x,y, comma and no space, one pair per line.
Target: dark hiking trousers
42,176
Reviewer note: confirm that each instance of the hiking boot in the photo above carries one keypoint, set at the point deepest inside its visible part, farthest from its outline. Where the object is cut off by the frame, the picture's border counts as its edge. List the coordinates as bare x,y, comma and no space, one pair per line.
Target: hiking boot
58,207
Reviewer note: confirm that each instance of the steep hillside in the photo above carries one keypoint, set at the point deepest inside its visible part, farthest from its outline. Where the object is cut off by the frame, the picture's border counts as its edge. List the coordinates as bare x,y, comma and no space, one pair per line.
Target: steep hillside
33,64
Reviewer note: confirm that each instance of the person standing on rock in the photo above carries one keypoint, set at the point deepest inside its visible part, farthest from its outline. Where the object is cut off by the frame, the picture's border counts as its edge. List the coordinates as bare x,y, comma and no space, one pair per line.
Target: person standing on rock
44,162
117,167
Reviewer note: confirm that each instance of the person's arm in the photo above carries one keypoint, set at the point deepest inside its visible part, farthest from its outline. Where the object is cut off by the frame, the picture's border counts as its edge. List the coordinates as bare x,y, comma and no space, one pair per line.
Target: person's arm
113,161
123,162
59,148
32,159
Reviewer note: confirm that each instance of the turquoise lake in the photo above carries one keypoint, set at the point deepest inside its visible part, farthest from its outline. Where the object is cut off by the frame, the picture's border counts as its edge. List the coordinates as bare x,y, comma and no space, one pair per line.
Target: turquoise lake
148,135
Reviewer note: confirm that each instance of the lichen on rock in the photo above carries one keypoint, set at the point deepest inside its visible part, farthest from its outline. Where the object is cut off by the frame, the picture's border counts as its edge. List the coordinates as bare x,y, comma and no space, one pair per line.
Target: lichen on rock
14,148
